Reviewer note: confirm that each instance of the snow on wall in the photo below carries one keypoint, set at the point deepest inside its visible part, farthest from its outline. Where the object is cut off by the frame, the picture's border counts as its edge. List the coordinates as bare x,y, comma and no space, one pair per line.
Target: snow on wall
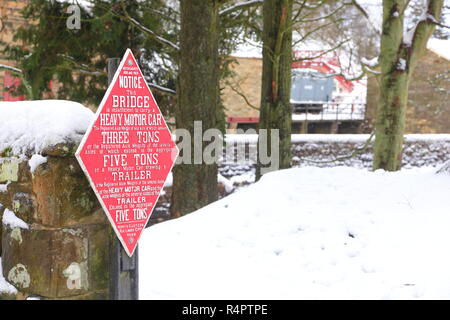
342,138
320,150
24,128
10,219
35,161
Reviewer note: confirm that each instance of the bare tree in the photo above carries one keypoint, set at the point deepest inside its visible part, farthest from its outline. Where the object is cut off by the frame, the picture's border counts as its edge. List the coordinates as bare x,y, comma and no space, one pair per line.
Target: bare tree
399,54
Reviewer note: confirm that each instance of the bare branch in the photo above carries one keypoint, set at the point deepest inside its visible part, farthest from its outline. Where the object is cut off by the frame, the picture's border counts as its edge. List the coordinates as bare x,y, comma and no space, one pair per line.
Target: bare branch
19,72
314,7
441,25
163,89
9,68
323,52
83,68
365,14
240,5
243,96
146,30
153,34
325,16
360,9
309,33
404,8
422,32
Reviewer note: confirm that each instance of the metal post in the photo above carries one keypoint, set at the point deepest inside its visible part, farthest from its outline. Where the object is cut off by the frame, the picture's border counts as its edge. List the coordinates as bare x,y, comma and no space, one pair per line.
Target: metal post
124,272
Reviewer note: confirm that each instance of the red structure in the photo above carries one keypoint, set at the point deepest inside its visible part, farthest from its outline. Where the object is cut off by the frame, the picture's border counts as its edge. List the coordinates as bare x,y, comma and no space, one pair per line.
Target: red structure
321,61
11,83
327,63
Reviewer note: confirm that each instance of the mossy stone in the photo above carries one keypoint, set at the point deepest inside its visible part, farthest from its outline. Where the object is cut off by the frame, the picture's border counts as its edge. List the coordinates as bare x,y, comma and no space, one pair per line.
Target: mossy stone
63,194
57,262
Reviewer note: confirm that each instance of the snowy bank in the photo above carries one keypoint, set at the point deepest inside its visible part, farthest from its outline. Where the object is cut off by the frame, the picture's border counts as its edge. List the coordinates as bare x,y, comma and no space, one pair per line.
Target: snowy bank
29,127
308,233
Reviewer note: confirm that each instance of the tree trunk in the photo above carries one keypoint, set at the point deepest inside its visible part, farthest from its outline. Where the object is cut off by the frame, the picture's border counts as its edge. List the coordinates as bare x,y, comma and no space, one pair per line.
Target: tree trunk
276,110
398,59
195,185
393,92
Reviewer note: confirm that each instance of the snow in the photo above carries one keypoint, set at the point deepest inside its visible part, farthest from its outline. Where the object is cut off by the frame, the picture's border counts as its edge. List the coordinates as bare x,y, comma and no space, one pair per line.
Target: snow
401,65
25,129
440,47
5,287
445,169
245,178
248,49
356,138
169,180
308,233
221,179
4,188
85,4
237,5
374,10
370,63
408,35
10,219
427,137
226,183
4,66
35,161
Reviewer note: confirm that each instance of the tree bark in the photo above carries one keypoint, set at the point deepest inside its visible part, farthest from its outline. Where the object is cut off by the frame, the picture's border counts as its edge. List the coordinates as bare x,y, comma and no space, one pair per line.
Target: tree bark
398,59
195,185
393,91
276,110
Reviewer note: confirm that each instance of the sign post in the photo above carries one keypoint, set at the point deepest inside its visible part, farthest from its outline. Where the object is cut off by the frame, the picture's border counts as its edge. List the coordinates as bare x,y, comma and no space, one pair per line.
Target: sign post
127,154
124,272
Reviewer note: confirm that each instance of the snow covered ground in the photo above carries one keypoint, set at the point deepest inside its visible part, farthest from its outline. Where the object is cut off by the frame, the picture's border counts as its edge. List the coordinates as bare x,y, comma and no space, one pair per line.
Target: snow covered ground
308,233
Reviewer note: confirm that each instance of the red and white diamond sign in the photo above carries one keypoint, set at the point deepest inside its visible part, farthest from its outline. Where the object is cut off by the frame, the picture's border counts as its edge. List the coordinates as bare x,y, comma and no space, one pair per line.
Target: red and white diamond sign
127,153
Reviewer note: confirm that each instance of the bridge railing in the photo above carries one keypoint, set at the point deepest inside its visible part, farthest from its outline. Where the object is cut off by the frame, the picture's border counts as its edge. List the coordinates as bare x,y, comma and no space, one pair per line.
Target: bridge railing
326,110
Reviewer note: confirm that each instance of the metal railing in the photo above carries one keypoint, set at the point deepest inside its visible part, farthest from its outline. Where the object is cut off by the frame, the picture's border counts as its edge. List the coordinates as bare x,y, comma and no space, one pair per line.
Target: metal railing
327,110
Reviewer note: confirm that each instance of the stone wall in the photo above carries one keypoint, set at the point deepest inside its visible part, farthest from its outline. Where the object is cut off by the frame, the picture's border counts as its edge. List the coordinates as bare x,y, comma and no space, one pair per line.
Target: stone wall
321,149
55,237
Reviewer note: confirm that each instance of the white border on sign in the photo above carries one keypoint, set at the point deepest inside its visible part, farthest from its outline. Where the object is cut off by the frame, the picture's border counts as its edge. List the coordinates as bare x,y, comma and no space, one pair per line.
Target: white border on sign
88,131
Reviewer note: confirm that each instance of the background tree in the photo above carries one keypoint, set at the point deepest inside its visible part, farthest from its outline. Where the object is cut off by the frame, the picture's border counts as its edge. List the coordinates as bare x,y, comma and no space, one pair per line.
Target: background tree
276,109
399,54
75,60
287,25
195,185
